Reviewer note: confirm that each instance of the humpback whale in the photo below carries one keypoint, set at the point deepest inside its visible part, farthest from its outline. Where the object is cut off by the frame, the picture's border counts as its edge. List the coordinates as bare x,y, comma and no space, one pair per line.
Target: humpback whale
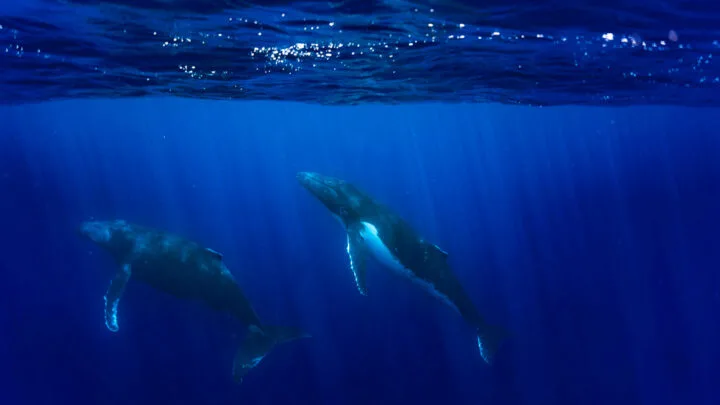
186,270
373,230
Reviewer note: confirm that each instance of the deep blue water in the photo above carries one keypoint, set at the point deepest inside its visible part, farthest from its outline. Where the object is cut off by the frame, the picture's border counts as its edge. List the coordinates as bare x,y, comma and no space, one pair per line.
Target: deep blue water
590,233
590,52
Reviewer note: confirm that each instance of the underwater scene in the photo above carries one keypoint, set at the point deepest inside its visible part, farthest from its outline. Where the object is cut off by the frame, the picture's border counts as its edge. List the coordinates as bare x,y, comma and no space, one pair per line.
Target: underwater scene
360,202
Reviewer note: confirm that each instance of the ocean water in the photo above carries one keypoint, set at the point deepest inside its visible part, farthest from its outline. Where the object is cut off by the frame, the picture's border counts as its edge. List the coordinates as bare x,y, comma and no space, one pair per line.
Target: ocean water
565,155
359,51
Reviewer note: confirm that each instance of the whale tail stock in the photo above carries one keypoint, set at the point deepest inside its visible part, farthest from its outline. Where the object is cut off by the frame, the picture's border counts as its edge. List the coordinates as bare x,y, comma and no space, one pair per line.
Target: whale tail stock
258,343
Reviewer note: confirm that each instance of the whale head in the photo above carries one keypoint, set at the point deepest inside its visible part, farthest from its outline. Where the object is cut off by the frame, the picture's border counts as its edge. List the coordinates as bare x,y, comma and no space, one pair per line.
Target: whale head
101,232
339,196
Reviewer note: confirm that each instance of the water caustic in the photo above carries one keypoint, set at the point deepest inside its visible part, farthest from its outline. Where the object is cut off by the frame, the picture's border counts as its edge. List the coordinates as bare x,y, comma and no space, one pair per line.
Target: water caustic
354,52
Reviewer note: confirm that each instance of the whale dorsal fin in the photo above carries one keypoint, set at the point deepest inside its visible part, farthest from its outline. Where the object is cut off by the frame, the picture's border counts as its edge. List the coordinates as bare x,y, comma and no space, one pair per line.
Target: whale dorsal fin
434,254
440,251
214,254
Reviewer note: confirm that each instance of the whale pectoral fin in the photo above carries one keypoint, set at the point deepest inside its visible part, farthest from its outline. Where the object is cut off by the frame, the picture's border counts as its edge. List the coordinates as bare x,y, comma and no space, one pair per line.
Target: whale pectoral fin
113,295
358,257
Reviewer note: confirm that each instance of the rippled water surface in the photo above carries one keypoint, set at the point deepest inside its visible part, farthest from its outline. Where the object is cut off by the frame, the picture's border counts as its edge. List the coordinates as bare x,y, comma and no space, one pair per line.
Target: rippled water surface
344,52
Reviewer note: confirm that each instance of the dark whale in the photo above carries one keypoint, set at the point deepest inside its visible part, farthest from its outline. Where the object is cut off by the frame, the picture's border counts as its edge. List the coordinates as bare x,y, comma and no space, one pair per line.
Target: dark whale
185,270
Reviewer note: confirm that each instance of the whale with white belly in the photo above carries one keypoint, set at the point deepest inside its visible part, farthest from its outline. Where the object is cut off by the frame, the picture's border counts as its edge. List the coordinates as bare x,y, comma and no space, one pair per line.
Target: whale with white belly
373,230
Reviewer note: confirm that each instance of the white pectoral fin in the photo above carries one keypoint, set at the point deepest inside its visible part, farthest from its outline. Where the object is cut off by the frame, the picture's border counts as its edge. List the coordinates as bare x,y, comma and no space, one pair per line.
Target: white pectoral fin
113,295
358,256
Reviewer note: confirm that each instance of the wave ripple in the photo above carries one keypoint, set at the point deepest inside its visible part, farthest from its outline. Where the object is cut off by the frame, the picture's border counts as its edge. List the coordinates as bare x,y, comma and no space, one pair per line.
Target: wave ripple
361,51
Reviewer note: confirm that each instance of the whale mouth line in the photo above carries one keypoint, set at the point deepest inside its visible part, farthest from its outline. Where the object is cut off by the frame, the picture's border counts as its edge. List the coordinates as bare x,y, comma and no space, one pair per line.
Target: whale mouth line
307,177
311,182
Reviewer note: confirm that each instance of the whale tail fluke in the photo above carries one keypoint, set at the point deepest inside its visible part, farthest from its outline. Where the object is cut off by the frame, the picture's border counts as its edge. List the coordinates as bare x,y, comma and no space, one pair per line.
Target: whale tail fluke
489,339
258,343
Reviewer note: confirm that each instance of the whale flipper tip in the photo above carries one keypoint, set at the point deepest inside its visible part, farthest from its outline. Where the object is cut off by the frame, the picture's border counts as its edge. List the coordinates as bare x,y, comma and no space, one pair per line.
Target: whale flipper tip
111,321
488,341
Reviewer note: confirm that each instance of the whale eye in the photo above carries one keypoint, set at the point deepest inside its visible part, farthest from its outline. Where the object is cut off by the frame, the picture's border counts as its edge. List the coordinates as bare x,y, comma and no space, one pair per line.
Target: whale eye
343,211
